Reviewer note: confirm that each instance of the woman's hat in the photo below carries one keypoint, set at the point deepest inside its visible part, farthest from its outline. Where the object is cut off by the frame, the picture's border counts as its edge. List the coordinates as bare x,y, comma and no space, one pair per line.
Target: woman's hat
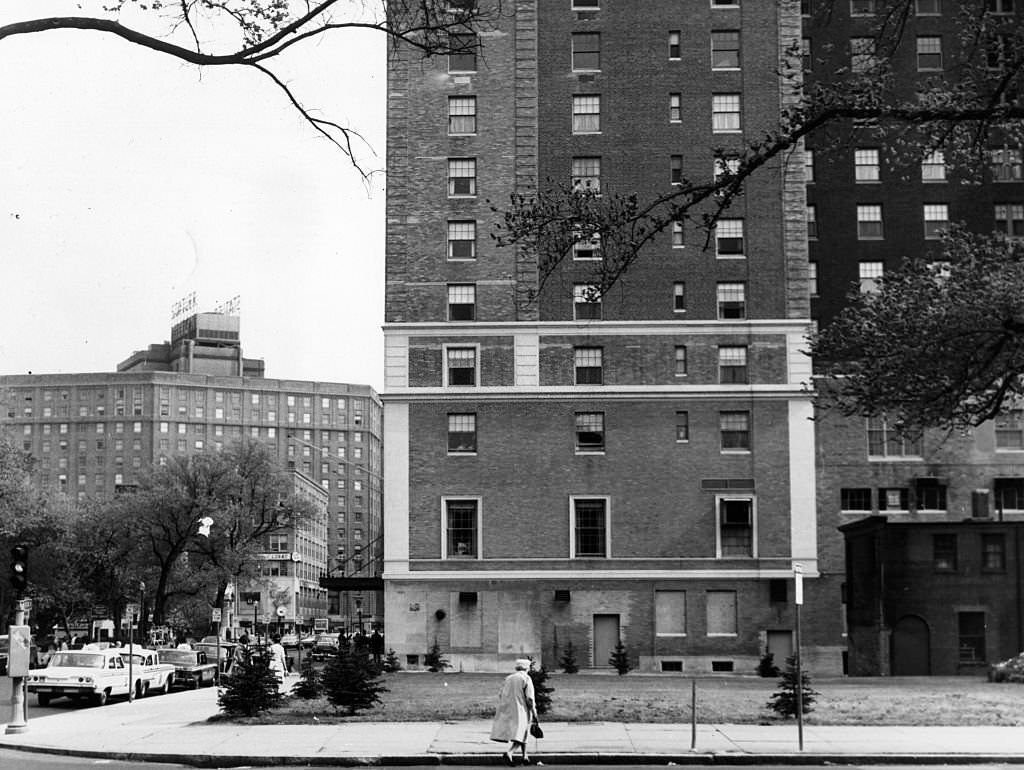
523,664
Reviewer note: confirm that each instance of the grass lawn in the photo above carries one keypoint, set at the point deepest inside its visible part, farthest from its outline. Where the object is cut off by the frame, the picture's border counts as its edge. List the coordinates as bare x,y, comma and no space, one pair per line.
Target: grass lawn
416,696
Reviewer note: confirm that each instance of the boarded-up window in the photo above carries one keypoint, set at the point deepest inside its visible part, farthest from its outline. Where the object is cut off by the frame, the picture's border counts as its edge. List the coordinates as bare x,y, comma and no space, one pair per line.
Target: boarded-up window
670,612
721,613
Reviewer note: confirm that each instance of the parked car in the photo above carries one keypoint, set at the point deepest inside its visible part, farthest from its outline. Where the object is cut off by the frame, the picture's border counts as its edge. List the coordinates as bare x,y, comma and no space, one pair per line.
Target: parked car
308,641
149,674
192,668
227,651
93,673
325,645
290,640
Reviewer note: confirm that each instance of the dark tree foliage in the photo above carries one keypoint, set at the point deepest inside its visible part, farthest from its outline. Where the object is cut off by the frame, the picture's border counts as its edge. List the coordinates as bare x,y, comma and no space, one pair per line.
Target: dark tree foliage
351,680
620,659
783,700
766,666
541,689
568,661
391,662
309,685
252,686
435,660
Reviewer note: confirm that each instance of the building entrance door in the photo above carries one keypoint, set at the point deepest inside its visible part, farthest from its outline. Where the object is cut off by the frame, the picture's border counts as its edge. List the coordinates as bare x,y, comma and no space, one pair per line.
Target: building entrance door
606,636
911,647
780,645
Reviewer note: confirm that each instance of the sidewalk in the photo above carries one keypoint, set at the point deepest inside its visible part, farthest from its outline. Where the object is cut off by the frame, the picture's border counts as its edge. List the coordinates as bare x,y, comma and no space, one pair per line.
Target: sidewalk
172,728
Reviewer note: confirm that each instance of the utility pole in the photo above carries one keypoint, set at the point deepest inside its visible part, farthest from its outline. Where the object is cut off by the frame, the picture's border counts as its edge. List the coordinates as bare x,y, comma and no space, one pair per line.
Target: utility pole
19,641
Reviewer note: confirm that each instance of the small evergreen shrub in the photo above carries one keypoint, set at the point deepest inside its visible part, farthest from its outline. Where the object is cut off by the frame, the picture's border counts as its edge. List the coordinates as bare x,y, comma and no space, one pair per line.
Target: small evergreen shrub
568,659
783,701
766,666
309,685
434,660
391,662
542,691
251,688
351,680
620,659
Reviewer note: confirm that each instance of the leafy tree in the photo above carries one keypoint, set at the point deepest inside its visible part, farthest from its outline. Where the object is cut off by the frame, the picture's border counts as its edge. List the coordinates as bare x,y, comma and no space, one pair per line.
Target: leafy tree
783,701
620,659
391,662
351,680
435,660
252,686
939,344
310,684
568,659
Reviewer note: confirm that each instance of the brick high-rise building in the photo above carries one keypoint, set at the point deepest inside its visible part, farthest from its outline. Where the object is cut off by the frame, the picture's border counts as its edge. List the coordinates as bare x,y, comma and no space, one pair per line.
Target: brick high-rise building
570,471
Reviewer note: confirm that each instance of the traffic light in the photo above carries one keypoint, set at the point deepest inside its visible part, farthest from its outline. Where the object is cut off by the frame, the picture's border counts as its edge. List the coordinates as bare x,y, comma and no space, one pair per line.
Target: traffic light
19,569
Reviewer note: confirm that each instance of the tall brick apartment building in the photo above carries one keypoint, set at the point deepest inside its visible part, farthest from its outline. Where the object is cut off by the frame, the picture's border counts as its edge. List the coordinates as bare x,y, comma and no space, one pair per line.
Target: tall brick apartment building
868,208
639,468
93,432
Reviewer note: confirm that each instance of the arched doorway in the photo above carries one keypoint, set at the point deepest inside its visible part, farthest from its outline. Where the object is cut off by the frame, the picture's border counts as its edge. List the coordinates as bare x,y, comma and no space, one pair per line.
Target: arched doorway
910,647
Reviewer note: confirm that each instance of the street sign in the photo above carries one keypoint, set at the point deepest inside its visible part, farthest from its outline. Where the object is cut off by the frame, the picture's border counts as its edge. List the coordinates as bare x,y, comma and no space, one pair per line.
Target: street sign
215,615
282,611
798,575
25,605
320,624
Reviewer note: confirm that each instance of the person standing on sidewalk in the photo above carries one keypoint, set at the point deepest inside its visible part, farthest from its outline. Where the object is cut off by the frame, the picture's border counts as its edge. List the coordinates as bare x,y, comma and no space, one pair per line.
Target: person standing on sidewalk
516,711
278,661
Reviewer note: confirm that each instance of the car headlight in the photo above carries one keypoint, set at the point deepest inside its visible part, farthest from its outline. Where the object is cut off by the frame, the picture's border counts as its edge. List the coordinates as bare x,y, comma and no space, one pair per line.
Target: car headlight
86,679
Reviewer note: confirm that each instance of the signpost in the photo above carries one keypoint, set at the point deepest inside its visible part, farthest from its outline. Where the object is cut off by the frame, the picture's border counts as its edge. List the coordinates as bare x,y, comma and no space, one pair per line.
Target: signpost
798,598
215,617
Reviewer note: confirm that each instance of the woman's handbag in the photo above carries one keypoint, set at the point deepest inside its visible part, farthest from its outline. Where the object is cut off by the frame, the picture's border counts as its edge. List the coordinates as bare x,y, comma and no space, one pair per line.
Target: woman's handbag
535,730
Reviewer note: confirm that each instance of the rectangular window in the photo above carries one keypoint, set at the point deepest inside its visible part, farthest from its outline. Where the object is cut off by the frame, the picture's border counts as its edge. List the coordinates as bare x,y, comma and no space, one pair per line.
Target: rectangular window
461,114
725,49
993,552
670,613
806,54
1010,219
886,441
586,51
586,302
461,177
936,220
732,364
462,52
725,113
462,529
869,222
812,221
735,430
680,369
971,636
586,175
461,302
588,366
928,7
461,366
1000,6
678,241
1009,494
675,169
587,247
675,108
682,426
462,433
868,274
929,53
586,5
589,527
930,495
678,297
1006,164
729,238
862,54
735,527
721,613
812,278
808,165
589,431
462,239
893,500
1009,429
865,165
586,114
732,301
933,167
944,554
673,44
862,7
855,499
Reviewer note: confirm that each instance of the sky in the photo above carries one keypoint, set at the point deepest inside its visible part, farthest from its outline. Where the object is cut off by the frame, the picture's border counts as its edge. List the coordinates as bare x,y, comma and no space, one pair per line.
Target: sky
129,179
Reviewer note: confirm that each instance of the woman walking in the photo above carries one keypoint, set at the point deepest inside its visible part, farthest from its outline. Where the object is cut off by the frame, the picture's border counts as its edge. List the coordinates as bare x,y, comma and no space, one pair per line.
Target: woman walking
516,711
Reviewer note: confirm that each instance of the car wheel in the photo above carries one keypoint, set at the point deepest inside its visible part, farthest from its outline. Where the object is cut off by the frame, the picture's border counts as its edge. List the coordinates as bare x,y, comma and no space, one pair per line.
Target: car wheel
44,698
167,686
139,690
100,698
194,684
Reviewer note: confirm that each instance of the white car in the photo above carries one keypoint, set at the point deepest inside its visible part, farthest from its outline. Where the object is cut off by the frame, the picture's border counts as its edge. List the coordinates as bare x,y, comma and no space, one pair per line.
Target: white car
149,674
93,673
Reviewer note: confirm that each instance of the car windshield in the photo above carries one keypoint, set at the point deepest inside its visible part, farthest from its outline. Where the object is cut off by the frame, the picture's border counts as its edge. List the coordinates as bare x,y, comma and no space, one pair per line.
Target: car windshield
77,660
177,656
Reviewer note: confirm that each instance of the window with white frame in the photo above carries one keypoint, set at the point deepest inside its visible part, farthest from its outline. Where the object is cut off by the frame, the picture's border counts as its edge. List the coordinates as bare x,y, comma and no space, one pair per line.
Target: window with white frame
681,362
865,164
586,5
933,167
808,165
1006,164
735,431
929,53
589,432
729,238
726,167
936,219
461,115
586,302
589,523
885,440
862,54
673,44
735,526
678,240
732,300
1009,429
725,113
725,49
586,114
812,278
812,221
682,426
586,175
461,302
586,51
869,222
461,177
721,613
462,433
675,107
462,239
670,613
461,528
675,169
679,296
868,274
732,364
1009,219
1009,491
461,365
462,50
588,365
588,247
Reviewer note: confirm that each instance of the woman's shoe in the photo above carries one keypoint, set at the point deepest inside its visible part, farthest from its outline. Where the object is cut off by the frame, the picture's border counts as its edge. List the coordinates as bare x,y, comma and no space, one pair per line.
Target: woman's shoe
527,761
508,759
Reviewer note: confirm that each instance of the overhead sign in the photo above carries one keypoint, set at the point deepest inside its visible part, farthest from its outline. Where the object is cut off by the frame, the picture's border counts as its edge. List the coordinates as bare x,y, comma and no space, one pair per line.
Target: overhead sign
215,615
282,611
320,624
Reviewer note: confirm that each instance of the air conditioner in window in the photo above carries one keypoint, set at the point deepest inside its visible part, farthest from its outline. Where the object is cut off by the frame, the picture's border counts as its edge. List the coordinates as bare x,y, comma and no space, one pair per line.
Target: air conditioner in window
735,516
